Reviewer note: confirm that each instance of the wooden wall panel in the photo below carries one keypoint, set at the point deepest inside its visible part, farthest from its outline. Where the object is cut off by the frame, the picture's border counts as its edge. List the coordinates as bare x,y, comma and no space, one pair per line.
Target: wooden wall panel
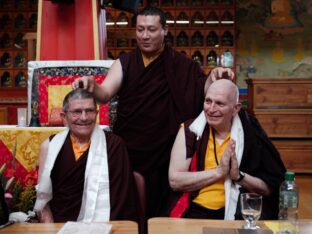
286,123
3,115
284,109
296,154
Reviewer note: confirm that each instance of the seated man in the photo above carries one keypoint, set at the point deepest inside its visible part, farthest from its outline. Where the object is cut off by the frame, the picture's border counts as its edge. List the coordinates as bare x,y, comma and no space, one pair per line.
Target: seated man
220,154
84,172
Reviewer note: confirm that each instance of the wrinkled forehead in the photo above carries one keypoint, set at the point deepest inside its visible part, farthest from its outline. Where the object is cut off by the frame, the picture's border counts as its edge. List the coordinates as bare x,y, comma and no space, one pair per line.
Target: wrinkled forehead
81,102
221,88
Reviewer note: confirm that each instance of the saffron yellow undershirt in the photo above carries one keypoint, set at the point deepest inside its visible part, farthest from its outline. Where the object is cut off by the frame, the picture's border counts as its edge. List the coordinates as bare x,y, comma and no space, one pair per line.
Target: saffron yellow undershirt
148,60
78,149
213,196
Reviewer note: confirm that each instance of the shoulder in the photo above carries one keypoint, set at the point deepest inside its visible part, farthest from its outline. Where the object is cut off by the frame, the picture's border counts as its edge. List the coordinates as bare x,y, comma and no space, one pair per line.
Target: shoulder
115,145
188,68
179,57
187,124
190,139
127,57
251,122
117,153
112,138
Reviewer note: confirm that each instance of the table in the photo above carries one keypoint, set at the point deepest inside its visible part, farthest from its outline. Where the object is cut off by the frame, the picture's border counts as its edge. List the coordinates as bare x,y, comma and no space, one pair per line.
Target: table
195,226
119,227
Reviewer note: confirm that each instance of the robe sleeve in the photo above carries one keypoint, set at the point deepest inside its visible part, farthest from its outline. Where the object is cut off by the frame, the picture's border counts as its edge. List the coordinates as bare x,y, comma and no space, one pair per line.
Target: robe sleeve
190,139
123,192
261,159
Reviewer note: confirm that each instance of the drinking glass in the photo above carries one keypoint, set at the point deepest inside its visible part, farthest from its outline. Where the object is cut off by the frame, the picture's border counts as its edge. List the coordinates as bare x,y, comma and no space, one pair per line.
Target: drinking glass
251,205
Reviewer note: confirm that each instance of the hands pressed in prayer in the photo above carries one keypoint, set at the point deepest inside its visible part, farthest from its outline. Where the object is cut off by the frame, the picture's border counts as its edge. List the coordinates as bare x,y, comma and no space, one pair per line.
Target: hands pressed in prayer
228,163
234,169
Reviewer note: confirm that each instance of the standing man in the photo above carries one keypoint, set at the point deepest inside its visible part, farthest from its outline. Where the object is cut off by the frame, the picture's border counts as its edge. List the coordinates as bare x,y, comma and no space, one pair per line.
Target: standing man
84,172
158,88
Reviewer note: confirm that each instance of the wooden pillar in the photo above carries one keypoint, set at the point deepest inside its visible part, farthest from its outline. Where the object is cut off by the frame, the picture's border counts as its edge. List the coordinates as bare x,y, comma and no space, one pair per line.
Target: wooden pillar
69,31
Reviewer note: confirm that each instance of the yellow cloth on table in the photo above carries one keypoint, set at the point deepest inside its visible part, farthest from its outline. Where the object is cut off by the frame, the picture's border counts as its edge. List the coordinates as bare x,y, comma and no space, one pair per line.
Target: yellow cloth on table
276,226
273,225
25,143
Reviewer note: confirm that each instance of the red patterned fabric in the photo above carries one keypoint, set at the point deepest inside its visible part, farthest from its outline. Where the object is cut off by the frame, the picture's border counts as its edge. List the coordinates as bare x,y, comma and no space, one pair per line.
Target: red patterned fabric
183,202
55,117
14,168
45,81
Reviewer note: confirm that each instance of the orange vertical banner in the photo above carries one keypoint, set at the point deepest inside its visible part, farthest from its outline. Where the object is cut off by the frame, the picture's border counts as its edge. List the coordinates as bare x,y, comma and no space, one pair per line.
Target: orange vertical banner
68,31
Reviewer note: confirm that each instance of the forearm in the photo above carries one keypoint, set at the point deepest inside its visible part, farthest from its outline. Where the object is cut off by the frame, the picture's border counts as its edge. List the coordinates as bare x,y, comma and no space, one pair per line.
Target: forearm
100,94
191,181
255,185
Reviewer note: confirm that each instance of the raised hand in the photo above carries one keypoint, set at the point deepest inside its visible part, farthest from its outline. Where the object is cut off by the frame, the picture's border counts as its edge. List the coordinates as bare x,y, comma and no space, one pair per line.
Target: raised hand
225,162
234,170
221,73
85,82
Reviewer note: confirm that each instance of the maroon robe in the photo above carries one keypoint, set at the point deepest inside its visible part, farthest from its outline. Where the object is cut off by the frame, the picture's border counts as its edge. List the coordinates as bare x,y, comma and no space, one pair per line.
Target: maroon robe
260,159
67,178
152,102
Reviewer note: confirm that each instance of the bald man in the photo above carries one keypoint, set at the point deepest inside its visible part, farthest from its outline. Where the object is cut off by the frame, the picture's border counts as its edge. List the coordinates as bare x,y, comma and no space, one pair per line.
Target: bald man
219,155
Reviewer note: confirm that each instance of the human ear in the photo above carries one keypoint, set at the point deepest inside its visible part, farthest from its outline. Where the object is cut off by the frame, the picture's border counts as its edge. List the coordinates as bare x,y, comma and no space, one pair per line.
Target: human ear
237,107
63,116
166,29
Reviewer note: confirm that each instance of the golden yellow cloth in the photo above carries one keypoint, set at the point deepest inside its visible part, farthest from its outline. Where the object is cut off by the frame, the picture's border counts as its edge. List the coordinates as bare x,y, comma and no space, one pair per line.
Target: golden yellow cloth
25,143
213,196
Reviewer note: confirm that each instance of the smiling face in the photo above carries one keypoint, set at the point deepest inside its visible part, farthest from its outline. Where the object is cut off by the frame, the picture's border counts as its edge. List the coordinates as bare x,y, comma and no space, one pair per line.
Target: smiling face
150,34
80,117
221,105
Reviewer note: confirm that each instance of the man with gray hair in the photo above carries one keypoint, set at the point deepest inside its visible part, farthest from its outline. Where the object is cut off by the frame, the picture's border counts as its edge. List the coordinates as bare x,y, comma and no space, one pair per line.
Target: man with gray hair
219,155
84,172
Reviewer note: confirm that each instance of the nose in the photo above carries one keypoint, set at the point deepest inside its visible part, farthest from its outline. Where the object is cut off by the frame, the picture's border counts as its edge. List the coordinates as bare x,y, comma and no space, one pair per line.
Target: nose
212,107
145,34
83,115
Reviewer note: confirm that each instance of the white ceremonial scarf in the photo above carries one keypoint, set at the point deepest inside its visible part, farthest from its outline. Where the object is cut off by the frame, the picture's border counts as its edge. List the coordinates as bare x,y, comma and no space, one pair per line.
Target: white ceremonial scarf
237,134
95,206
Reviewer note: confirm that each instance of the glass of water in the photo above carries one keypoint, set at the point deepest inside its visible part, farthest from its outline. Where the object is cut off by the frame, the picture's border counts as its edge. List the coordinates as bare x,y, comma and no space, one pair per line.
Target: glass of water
251,206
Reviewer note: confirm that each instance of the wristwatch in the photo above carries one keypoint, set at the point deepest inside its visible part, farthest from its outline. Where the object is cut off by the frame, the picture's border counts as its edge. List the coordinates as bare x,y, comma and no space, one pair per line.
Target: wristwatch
241,177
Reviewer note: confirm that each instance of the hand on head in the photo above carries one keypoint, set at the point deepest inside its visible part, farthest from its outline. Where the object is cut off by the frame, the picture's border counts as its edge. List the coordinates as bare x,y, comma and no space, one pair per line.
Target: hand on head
221,72
85,82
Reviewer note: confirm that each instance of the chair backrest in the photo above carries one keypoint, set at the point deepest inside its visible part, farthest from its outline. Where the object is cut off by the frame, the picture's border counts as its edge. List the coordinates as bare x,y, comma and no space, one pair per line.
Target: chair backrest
140,183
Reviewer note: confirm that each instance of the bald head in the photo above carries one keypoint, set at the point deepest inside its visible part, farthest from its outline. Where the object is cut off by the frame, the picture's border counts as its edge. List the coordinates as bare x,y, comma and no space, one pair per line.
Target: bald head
221,105
227,87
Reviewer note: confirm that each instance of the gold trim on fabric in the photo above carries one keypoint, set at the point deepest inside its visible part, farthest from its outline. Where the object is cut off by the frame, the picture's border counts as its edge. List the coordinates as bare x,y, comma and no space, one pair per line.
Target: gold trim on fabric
24,143
38,45
95,29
